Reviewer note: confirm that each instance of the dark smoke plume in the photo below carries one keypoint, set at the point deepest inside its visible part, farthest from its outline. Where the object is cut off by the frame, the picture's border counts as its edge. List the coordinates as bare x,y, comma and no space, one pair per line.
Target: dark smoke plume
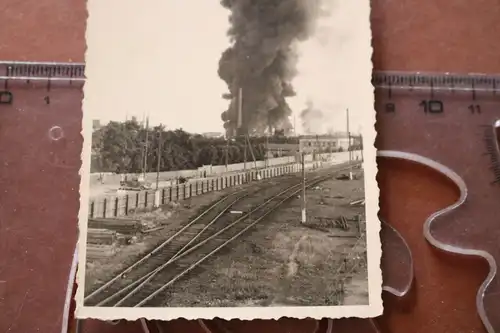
262,60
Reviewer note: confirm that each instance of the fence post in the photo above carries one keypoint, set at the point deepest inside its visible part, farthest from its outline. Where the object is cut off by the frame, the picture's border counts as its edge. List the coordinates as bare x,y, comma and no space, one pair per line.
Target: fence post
170,193
196,187
137,200
162,196
156,202
185,191
116,207
92,209
126,204
104,204
177,193
145,199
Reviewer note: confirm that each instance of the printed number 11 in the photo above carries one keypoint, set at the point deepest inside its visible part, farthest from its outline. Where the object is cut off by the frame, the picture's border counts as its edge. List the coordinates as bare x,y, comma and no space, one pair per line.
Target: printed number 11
475,108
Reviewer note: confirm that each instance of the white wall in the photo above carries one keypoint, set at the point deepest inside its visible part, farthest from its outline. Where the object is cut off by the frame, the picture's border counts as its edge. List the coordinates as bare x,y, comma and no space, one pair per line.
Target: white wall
215,170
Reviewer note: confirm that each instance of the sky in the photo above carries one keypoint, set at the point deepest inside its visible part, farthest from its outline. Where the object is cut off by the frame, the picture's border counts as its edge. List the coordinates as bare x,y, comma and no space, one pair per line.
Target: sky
162,59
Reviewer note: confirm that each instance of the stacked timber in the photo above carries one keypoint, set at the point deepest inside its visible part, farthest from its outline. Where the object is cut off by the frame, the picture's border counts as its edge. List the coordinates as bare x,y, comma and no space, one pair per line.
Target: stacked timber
100,251
122,226
101,236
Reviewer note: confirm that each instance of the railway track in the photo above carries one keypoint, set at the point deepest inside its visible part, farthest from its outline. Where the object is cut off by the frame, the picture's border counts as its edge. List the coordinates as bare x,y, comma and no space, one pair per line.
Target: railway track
145,282
166,249
162,252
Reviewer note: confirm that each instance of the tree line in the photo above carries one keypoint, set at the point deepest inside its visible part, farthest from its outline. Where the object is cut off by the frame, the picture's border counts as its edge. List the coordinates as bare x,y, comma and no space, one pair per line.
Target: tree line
128,147
122,147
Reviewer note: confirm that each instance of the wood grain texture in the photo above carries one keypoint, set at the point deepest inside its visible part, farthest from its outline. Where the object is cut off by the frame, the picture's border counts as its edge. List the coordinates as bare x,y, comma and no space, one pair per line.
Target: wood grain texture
36,239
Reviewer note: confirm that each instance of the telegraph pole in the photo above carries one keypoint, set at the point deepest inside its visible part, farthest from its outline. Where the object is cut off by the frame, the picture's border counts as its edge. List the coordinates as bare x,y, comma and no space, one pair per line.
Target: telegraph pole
349,145
142,146
159,159
361,146
145,163
240,121
304,215
294,126
267,150
245,154
227,148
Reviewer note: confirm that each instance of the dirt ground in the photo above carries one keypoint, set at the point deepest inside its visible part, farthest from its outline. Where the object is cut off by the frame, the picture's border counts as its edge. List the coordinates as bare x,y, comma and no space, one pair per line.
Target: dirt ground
282,262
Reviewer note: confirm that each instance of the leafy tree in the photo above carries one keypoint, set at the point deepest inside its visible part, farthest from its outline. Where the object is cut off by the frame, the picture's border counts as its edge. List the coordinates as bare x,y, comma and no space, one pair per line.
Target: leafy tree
120,147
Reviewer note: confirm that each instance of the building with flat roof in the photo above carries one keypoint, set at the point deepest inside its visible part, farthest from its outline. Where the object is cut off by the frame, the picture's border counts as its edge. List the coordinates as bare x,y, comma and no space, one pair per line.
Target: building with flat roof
309,144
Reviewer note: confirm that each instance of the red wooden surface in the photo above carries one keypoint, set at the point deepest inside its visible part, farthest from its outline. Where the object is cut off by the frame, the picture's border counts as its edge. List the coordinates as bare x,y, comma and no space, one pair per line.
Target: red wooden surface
39,178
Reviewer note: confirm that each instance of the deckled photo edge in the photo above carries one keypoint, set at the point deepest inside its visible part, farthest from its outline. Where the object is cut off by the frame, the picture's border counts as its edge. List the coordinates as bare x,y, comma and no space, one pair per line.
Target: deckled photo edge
84,172
372,190
375,307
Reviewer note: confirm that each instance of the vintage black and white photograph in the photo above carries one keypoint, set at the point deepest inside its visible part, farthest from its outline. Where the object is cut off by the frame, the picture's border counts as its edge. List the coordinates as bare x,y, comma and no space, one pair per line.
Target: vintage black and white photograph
228,165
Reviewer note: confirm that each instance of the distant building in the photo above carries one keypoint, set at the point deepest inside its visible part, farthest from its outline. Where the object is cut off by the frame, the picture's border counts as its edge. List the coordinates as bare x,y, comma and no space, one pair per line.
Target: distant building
282,149
213,134
328,143
314,144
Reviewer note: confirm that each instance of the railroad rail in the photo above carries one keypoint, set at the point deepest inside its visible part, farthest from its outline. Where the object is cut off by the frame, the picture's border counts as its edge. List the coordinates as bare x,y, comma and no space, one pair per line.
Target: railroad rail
144,282
160,252
113,288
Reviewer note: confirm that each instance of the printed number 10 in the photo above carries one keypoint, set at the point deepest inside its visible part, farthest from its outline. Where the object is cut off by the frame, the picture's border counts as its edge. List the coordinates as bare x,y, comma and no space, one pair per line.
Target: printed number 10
432,106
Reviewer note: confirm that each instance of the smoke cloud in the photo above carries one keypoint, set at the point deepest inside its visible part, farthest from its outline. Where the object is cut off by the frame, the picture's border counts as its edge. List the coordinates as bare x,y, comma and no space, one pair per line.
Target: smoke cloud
315,120
262,60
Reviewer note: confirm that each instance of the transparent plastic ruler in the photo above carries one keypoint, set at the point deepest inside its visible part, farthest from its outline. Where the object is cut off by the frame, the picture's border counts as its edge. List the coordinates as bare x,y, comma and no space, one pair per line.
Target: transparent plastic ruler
449,122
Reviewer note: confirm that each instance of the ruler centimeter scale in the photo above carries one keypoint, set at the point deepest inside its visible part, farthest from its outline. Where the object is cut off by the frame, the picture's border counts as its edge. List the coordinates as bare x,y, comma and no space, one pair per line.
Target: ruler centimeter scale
446,121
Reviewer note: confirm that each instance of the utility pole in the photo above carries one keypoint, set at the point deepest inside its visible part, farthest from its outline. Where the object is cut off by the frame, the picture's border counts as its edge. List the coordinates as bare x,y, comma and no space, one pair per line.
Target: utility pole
304,215
146,148
361,146
294,125
227,148
267,149
142,146
251,151
240,121
245,154
158,159
349,145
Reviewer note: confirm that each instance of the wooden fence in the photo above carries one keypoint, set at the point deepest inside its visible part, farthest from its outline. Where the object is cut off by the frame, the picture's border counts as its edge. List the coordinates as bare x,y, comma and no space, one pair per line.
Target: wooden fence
123,205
